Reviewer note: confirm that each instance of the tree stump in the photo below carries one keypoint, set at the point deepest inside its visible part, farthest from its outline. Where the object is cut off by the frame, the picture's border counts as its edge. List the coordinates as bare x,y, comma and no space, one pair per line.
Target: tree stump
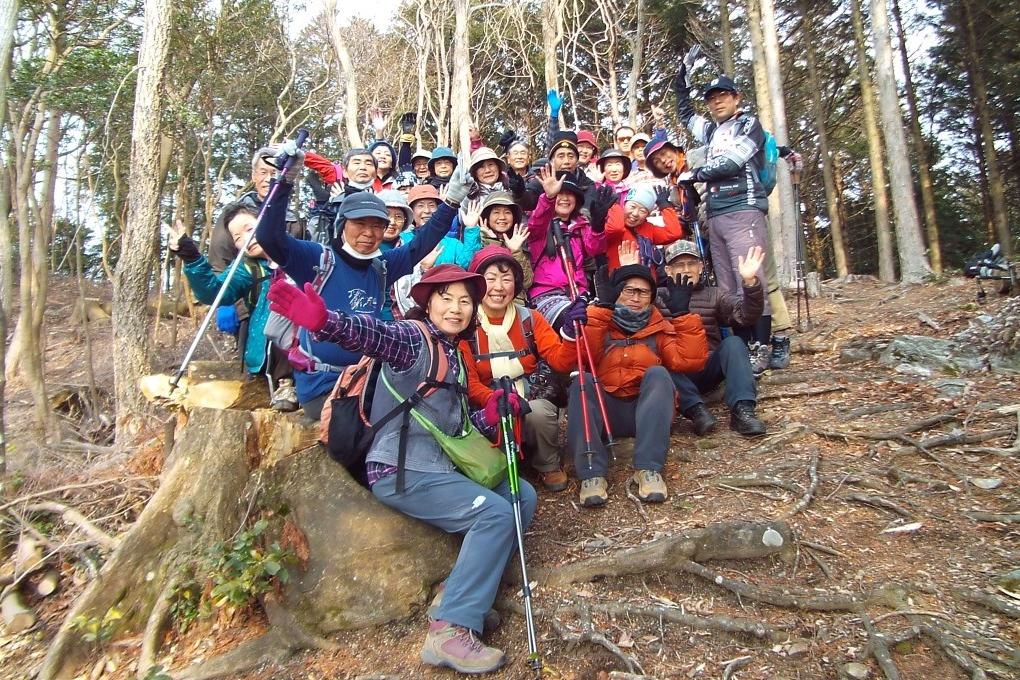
365,564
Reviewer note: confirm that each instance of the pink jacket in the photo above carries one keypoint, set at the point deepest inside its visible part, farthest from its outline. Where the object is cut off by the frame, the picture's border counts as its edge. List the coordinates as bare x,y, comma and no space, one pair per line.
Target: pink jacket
620,188
549,273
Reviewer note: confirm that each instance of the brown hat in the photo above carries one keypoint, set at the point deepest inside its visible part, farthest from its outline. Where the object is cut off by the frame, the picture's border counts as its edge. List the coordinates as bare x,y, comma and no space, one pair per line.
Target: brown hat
422,191
447,273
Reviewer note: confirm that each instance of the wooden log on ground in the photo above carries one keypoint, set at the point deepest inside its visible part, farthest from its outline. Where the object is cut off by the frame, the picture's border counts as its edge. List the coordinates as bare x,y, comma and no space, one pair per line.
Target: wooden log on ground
209,384
48,583
17,617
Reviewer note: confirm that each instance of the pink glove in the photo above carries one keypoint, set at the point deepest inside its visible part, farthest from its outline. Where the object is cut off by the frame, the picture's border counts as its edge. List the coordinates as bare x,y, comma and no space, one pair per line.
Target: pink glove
490,414
306,309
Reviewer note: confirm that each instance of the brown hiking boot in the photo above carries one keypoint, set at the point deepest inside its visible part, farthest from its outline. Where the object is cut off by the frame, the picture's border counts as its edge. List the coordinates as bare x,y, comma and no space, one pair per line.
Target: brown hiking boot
594,491
651,486
490,622
457,648
554,480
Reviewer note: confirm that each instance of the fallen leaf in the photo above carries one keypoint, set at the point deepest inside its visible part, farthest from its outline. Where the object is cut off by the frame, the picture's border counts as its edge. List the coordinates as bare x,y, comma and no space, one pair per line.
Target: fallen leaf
625,641
904,529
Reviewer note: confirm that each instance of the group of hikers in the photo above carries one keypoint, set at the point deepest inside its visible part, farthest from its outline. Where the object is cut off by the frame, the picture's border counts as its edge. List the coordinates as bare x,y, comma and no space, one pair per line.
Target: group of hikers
573,286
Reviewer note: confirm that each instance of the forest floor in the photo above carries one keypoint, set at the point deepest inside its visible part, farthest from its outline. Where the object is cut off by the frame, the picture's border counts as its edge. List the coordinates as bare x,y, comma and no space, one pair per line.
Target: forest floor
892,511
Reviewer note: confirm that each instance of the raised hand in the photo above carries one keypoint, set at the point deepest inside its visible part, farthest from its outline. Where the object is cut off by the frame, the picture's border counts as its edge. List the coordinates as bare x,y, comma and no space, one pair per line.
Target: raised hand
517,240
605,198
628,251
473,132
459,184
607,293
555,103
749,265
472,213
429,260
181,245
680,291
375,116
551,185
662,197
305,308
658,115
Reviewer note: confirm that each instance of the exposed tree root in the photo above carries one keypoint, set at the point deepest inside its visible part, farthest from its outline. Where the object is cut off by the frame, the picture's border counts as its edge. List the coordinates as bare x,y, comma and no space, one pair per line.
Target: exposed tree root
878,502
996,604
155,628
727,624
720,541
880,650
1004,518
795,431
589,634
72,516
805,500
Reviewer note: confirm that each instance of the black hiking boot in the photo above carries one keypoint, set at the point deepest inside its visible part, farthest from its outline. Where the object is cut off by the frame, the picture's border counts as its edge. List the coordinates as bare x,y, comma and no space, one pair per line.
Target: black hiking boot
744,421
701,420
780,352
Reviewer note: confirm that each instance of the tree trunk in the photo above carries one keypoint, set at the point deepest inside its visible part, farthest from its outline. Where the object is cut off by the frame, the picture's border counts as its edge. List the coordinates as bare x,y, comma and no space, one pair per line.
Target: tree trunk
761,89
979,160
552,33
913,263
785,258
637,54
134,269
347,73
839,256
3,386
886,262
8,22
460,94
727,38
979,95
931,225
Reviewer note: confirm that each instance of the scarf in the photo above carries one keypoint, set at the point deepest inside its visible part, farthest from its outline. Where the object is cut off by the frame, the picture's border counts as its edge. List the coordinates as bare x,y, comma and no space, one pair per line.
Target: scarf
630,322
499,341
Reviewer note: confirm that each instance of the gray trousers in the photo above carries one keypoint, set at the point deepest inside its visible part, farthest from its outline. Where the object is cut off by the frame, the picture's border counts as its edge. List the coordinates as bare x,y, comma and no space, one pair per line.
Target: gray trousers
541,430
731,235
455,504
646,418
728,362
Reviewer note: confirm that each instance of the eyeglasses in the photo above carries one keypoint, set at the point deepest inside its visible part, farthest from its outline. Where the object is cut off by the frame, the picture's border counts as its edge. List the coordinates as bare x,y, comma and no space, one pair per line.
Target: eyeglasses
630,291
623,138
398,219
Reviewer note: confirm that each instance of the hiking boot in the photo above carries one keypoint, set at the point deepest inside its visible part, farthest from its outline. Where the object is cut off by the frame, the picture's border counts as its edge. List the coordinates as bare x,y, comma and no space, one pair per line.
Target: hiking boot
701,419
744,421
651,488
780,352
285,397
554,480
760,356
457,647
593,491
490,622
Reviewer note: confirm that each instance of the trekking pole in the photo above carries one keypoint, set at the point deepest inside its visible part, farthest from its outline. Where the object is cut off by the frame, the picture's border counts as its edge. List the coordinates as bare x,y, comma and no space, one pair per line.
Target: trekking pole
302,135
512,451
581,338
801,264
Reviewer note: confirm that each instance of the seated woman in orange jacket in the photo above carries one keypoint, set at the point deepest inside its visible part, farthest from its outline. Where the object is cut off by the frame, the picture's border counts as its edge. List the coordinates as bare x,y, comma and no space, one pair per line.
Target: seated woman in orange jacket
634,349
629,222
509,341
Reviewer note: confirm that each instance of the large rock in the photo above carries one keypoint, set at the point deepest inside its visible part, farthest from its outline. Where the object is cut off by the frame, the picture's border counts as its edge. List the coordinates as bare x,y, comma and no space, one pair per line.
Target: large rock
366,563
936,354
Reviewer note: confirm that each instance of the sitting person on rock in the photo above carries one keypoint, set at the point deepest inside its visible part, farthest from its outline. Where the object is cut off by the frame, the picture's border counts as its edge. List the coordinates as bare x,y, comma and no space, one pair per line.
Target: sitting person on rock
634,349
728,359
434,491
249,284
510,341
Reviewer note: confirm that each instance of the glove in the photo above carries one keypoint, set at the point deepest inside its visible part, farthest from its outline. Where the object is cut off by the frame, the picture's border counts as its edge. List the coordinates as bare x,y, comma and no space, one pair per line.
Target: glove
490,413
508,138
605,197
576,313
406,138
459,185
607,293
680,291
689,177
289,151
662,197
514,182
186,249
407,121
305,308
680,85
226,319
555,103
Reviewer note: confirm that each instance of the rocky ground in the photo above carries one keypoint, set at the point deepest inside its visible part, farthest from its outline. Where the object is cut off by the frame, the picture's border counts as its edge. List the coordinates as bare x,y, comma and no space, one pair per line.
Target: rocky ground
895,467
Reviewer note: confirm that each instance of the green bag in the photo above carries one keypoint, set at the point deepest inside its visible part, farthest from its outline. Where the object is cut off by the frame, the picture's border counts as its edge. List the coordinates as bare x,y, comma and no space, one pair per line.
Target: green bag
470,451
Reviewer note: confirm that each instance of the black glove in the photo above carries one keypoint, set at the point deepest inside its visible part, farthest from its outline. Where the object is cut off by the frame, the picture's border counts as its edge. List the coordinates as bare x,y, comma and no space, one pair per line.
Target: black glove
605,197
186,249
683,92
680,291
514,182
607,293
407,121
662,197
508,138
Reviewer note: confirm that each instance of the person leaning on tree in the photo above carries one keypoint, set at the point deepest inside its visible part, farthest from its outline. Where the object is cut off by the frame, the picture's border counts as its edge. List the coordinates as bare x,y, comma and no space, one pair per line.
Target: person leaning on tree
634,349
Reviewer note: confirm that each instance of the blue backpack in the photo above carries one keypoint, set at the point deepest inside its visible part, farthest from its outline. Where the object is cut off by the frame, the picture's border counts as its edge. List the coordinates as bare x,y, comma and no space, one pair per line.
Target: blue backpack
767,168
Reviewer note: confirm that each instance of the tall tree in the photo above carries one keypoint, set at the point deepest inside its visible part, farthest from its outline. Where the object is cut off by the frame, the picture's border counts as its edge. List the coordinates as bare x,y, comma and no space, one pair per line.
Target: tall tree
726,29
880,192
786,255
979,94
8,22
637,48
931,225
138,251
552,33
350,120
831,194
913,262
460,95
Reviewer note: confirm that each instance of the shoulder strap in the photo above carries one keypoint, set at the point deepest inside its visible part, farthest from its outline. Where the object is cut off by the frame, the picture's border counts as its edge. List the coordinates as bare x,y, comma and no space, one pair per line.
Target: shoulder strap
326,264
648,340
527,329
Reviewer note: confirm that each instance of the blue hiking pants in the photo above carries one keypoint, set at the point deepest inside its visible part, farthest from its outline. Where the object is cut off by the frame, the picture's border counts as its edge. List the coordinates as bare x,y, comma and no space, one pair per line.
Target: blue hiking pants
728,362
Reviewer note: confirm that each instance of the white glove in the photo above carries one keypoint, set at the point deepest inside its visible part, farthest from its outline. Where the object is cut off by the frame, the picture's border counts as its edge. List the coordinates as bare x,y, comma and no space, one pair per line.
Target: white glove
289,150
459,185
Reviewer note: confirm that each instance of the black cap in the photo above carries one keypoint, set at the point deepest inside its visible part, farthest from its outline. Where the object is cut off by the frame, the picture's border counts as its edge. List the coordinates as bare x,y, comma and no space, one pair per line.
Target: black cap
563,139
721,82
633,271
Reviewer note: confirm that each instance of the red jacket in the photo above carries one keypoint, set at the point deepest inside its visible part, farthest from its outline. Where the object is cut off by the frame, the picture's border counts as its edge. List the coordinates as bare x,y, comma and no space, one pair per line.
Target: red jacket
617,232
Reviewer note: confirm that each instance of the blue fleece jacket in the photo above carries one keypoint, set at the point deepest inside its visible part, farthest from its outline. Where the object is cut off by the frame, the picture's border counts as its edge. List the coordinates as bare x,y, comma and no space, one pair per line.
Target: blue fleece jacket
355,286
